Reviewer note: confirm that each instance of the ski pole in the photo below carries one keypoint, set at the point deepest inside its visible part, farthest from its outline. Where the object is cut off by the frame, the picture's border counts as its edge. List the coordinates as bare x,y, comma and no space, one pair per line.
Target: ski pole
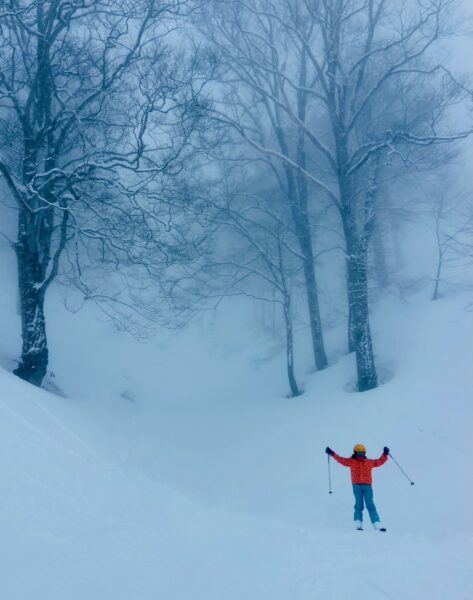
329,477
402,470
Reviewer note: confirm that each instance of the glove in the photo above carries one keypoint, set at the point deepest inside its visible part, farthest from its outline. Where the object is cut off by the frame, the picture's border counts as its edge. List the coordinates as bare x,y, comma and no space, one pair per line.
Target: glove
385,450
329,450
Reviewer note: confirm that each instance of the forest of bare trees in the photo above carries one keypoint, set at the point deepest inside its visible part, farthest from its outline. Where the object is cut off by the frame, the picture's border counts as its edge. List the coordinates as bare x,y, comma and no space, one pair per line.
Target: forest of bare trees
161,156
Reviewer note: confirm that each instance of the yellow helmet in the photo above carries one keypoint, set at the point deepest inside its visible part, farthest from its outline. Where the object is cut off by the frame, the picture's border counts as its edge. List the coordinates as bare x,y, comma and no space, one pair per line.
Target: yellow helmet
359,448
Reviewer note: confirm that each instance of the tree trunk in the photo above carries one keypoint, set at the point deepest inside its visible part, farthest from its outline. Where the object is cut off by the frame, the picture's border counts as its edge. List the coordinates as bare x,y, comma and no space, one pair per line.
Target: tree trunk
290,349
379,256
439,215
351,316
34,354
300,217
360,334
435,293
302,230
314,312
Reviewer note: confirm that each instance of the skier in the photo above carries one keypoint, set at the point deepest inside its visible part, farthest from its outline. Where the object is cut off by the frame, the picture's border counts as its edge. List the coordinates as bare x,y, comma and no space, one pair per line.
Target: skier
360,468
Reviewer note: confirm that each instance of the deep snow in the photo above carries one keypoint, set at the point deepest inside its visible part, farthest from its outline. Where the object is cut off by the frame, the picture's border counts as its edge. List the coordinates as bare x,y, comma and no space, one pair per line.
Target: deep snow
178,469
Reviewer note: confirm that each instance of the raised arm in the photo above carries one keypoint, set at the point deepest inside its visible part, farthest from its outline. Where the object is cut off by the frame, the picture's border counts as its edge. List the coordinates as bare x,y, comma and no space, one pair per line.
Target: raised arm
377,462
340,459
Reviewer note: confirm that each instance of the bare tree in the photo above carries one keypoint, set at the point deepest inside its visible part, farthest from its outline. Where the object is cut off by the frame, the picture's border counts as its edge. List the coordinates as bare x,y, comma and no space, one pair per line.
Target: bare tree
80,85
254,251
252,102
452,221
268,261
360,82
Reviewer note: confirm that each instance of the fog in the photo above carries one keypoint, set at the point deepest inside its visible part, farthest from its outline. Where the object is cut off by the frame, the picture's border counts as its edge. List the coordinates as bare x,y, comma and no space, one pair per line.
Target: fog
220,206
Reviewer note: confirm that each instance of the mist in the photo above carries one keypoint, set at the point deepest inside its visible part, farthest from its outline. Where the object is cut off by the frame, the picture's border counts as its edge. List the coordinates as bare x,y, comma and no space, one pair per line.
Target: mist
232,234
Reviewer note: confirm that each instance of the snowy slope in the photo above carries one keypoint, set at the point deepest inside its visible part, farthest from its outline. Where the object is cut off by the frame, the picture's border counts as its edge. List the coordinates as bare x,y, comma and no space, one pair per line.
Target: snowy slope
181,471
75,526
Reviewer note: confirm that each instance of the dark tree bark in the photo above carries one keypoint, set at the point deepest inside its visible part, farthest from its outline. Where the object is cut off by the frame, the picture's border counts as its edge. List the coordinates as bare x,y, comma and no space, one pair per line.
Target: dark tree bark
37,268
34,352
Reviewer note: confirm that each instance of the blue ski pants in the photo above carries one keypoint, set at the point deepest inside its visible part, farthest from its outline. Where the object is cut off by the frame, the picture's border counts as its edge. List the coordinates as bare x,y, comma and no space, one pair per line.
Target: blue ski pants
364,495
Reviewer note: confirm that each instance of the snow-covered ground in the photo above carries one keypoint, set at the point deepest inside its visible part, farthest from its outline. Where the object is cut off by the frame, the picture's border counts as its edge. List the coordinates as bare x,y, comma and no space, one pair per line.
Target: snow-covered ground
179,469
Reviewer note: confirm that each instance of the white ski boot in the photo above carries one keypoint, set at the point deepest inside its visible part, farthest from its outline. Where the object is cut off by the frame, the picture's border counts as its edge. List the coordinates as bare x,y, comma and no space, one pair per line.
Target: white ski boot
359,525
378,526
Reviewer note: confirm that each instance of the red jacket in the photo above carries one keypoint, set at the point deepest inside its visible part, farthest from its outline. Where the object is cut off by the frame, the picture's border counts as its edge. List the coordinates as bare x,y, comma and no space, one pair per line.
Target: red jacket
361,467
